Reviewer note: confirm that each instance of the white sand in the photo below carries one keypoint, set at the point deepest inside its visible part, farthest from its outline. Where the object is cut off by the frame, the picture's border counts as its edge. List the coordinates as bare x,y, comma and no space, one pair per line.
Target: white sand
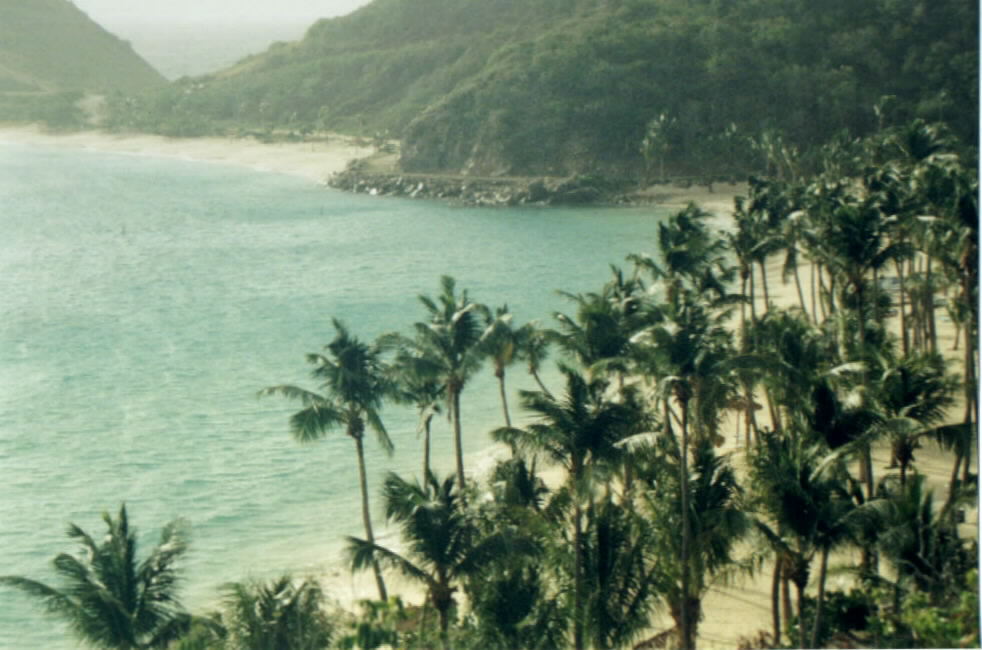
315,160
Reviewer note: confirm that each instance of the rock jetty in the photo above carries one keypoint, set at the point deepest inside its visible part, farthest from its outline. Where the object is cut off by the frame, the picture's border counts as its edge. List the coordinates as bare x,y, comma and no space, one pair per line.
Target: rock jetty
484,191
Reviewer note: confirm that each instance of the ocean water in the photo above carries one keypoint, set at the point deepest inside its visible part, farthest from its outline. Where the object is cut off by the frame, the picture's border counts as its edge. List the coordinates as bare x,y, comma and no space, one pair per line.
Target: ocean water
145,301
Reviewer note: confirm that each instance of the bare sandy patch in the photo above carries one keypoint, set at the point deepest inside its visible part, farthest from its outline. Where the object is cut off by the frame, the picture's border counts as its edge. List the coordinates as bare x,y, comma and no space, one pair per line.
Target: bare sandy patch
314,160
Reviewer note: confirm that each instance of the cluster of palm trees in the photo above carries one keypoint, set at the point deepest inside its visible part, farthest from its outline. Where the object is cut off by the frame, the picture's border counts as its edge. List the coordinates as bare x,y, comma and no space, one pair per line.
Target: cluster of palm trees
657,372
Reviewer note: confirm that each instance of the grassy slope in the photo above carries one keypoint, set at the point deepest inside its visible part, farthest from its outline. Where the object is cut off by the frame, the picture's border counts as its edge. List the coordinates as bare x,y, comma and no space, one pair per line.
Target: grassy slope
50,45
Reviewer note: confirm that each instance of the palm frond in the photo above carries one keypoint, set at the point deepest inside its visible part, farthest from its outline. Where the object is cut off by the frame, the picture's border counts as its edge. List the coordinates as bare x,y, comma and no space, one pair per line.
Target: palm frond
306,397
362,554
54,600
381,435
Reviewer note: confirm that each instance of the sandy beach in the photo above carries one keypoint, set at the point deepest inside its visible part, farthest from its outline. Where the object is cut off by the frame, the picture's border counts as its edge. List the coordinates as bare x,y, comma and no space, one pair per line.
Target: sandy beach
719,201
739,610
315,160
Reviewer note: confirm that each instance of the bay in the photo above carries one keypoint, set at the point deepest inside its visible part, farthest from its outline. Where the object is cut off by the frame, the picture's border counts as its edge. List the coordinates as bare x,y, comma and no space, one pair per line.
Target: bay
145,301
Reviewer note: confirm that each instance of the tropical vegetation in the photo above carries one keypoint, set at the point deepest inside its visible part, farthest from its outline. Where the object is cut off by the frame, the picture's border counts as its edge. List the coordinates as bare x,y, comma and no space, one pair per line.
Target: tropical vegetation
694,433
628,88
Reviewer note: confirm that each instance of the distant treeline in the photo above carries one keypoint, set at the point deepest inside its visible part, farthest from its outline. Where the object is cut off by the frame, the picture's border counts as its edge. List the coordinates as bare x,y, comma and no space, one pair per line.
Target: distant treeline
637,87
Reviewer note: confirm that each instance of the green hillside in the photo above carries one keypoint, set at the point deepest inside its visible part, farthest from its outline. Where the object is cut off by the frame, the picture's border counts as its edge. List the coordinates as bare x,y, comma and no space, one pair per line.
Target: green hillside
50,46
565,86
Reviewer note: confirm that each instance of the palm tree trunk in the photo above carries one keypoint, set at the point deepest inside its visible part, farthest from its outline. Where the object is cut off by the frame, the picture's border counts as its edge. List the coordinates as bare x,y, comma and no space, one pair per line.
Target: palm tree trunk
444,613
829,292
426,448
953,482
753,304
367,517
904,335
801,294
932,326
763,283
801,615
971,332
867,452
743,312
500,374
823,296
577,563
752,432
776,601
812,269
538,380
688,639
822,573
786,597
454,395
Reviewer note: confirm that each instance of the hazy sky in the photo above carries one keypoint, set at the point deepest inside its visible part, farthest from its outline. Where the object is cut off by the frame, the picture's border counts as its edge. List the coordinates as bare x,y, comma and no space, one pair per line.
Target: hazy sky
121,12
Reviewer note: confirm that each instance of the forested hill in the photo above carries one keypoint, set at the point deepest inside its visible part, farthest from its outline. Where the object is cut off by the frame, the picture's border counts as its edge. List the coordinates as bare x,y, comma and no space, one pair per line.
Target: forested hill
564,86
50,45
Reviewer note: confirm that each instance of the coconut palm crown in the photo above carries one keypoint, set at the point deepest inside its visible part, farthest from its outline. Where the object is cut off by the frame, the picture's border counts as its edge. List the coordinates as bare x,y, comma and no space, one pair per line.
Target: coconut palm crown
108,597
354,385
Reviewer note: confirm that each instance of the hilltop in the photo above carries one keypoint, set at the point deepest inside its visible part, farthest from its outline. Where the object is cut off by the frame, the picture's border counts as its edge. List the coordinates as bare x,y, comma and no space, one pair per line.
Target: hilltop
52,55
51,45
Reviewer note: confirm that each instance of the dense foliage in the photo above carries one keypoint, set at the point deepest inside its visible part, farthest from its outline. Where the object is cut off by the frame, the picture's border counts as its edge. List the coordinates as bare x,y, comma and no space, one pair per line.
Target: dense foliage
625,87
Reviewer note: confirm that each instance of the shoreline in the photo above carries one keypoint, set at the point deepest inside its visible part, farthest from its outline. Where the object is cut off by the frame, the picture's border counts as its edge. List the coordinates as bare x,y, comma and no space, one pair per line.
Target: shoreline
315,161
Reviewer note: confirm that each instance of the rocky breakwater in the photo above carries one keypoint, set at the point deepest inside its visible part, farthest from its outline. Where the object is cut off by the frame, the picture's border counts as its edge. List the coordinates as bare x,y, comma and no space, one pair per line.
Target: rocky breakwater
480,191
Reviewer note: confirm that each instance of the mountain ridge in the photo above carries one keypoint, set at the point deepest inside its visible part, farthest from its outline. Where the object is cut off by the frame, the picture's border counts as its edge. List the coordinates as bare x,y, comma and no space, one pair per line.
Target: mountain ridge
53,46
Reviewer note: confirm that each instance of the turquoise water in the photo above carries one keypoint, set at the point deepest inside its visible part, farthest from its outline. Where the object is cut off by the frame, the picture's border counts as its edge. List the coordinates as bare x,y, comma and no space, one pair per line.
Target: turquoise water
143,302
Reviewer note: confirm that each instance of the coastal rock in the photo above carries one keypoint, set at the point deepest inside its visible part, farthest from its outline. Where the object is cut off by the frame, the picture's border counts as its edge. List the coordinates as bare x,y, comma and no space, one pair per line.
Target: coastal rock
480,191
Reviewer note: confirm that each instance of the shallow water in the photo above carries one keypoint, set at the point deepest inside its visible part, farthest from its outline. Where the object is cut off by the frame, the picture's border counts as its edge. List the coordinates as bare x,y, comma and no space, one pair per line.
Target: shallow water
144,302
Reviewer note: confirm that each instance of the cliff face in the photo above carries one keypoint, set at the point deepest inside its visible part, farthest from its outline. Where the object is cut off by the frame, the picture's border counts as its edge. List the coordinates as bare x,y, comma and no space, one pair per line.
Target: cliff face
462,135
579,96
51,45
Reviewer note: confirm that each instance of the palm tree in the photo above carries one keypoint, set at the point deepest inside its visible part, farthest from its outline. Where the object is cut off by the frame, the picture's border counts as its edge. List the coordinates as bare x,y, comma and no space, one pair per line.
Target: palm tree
918,540
743,242
417,384
515,608
808,500
621,574
691,356
792,236
501,344
279,613
858,239
768,205
578,431
716,519
515,600
354,384
796,356
952,189
533,347
913,394
450,341
598,335
107,596
689,253
442,542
